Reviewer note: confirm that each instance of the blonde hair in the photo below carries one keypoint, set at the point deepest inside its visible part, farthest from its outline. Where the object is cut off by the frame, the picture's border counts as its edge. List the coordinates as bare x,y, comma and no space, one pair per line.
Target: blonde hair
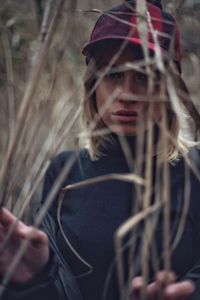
95,143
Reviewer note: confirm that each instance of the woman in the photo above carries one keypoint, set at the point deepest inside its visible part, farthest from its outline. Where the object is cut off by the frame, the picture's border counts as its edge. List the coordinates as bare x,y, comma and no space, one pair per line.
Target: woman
124,98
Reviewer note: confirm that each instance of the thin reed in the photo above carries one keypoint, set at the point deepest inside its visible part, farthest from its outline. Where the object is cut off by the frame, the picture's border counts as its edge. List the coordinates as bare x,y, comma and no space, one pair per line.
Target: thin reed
41,83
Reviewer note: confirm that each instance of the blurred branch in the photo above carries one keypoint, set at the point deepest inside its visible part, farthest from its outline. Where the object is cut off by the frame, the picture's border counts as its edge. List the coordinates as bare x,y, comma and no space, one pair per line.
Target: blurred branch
9,81
39,11
46,19
73,5
177,6
29,94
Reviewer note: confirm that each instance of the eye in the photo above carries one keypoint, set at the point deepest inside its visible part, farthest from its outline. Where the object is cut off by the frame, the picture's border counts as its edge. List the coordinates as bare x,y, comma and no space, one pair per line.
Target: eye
115,76
141,78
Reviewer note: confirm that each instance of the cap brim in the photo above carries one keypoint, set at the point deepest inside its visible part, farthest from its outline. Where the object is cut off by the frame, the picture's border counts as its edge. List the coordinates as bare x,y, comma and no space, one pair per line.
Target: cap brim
89,47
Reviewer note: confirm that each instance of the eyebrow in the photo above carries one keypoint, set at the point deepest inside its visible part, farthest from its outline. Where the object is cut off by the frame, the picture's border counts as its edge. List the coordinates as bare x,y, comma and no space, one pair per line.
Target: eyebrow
123,68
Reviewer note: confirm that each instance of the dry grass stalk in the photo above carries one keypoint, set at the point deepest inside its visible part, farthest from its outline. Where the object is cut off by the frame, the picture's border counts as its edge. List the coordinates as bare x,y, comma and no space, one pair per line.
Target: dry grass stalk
10,82
29,93
149,212
137,193
38,220
166,195
129,225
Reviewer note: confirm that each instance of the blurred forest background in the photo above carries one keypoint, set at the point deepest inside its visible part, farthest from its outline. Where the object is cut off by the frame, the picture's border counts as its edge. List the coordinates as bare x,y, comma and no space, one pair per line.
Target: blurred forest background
41,69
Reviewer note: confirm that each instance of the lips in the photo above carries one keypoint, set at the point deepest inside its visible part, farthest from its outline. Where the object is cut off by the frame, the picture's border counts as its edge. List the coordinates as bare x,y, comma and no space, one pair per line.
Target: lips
125,116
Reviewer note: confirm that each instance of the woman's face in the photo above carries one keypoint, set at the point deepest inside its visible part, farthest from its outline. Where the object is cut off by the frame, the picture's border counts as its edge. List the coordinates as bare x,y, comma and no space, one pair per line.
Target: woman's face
122,97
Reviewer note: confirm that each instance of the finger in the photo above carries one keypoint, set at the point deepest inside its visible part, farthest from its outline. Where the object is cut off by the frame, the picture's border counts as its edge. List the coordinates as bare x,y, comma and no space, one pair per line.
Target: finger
137,286
37,237
165,277
7,225
137,283
6,217
162,279
155,288
180,290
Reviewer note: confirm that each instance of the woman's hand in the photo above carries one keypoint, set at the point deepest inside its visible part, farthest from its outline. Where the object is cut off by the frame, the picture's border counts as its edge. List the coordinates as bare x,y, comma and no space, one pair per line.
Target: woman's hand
37,253
165,284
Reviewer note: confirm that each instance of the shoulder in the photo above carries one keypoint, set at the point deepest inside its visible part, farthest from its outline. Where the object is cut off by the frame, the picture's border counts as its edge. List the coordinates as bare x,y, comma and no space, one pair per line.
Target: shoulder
186,168
192,177
194,155
68,158
185,180
194,159
61,167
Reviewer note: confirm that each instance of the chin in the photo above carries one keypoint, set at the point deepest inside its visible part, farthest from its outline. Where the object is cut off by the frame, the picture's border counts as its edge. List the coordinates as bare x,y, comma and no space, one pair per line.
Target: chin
124,130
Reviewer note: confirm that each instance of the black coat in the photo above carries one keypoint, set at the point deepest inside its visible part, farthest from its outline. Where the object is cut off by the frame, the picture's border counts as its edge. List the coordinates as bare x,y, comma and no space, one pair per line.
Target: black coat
91,214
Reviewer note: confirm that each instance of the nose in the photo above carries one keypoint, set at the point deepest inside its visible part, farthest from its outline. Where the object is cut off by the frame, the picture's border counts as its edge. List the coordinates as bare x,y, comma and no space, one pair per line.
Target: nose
128,87
134,85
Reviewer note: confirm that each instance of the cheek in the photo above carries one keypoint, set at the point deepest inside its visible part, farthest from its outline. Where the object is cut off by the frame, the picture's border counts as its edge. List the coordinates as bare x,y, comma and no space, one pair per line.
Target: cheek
100,101
102,95
157,107
156,110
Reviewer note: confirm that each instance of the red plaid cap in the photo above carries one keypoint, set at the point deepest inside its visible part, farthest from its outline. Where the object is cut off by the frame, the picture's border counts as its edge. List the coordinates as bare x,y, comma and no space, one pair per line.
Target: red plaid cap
120,23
